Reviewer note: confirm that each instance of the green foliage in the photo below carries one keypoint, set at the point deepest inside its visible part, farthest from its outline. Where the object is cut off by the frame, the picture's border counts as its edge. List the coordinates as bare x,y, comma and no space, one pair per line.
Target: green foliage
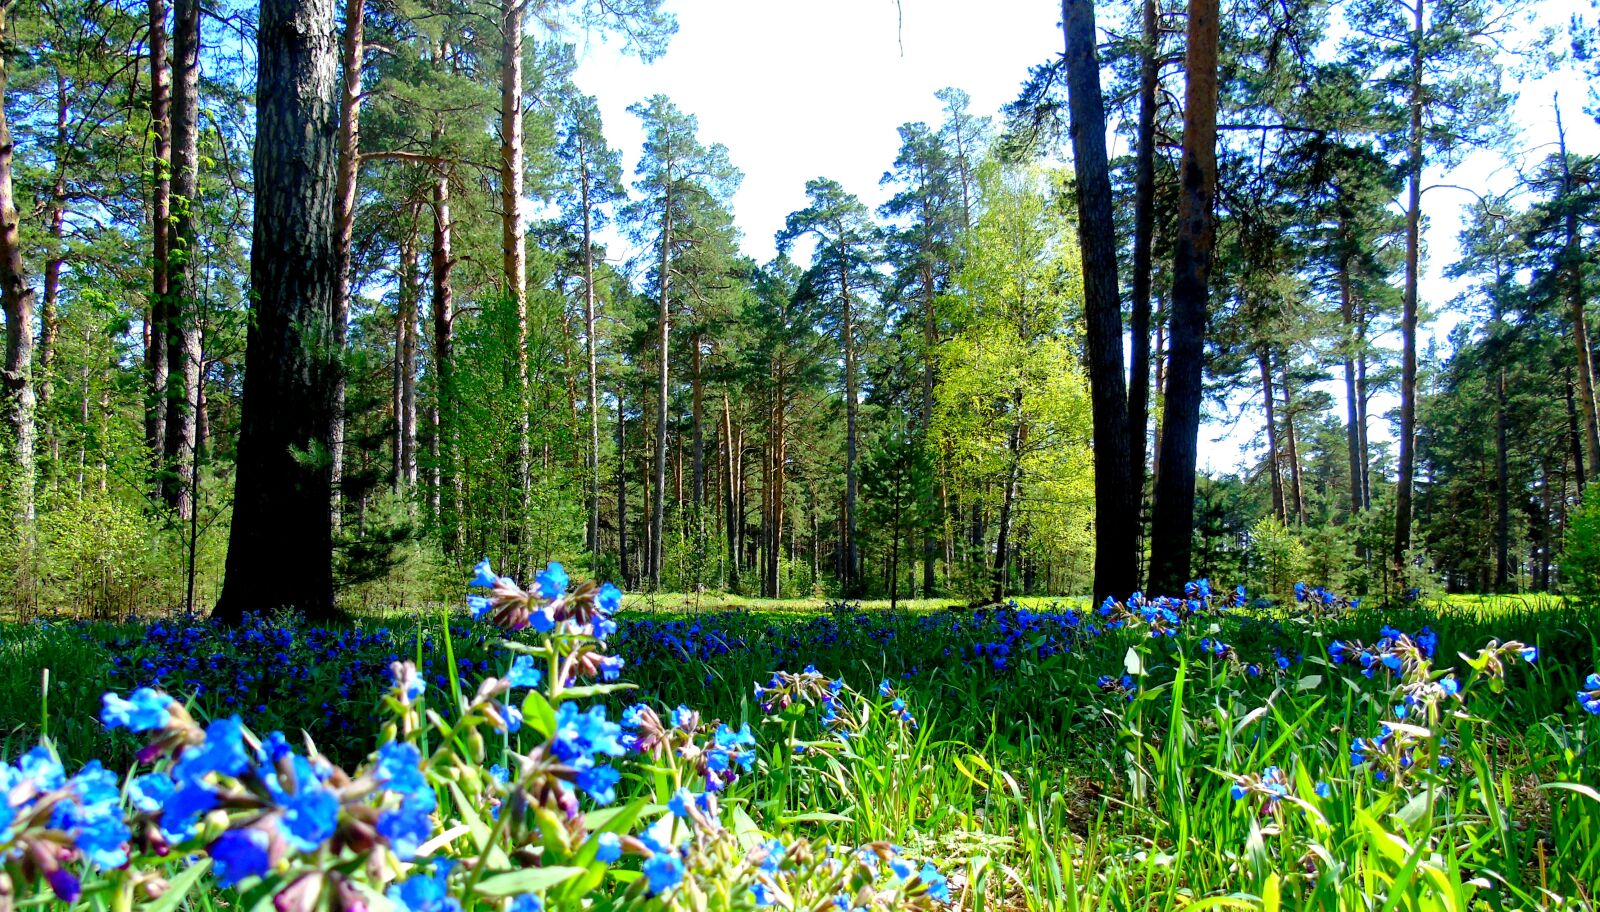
1277,560
1580,556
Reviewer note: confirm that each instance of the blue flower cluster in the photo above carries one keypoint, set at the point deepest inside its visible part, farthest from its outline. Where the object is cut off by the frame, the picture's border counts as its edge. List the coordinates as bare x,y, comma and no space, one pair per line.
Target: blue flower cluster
1589,696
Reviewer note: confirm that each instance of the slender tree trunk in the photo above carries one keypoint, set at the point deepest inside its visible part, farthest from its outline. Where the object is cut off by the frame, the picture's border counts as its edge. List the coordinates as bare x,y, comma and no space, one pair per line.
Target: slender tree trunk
1144,220
1264,362
1578,472
732,500
16,300
1361,408
1292,448
183,327
352,51
1160,383
440,263
1172,525
1002,546
852,410
930,345
1572,266
1116,519
1408,307
624,567
1502,493
697,422
514,255
406,317
155,349
1347,311
663,355
49,320
592,358
280,511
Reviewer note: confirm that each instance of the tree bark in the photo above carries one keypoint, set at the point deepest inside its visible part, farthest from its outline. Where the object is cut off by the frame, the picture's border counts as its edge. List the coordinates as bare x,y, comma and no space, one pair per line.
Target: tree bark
406,316
514,255
183,313
440,263
1116,520
352,50
733,521
49,320
283,482
593,370
1572,266
1172,525
663,352
852,409
1264,362
1353,436
1144,219
1002,546
697,488
1292,448
1408,307
155,350
16,300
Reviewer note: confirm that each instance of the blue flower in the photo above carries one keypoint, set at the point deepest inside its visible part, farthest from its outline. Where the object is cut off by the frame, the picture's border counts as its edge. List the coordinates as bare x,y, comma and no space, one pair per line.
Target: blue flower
483,575
309,817
146,710
527,902
222,752
680,802
585,734
1322,789
149,792
599,782
663,871
553,581
425,893
609,599
608,848
1530,654
1299,592
479,606
180,814
406,829
938,887
524,673
762,894
239,854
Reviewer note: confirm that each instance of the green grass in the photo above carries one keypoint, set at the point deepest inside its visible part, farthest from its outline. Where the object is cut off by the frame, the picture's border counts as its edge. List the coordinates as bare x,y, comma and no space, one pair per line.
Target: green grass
1043,793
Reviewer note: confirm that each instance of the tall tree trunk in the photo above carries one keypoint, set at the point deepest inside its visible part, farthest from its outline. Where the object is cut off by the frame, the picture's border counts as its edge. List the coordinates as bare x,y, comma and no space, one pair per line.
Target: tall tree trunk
1268,397
593,367
440,263
663,353
49,310
1572,266
1578,472
406,360
1160,358
16,300
1144,220
1172,525
697,423
930,344
183,327
514,255
352,51
622,490
1502,492
1116,519
1408,307
731,470
280,512
1361,408
1292,447
1002,547
1347,312
155,331
852,409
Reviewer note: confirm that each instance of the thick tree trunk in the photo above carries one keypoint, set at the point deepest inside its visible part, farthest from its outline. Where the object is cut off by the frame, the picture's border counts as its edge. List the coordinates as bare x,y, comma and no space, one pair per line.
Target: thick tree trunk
155,332
1172,526
1116,519
16,300
352,50
280,512
1408,307
183,326
514,254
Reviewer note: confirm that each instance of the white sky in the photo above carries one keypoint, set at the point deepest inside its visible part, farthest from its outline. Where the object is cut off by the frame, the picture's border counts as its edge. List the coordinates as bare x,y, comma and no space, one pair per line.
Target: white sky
802,90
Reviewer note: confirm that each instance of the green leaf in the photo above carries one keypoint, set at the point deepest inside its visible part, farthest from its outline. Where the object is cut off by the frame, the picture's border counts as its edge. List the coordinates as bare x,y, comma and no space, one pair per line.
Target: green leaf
537,714
527,880
179,887
595,690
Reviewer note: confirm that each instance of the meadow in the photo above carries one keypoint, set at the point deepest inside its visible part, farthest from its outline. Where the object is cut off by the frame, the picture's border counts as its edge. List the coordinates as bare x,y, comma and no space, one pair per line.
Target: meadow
1208,751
